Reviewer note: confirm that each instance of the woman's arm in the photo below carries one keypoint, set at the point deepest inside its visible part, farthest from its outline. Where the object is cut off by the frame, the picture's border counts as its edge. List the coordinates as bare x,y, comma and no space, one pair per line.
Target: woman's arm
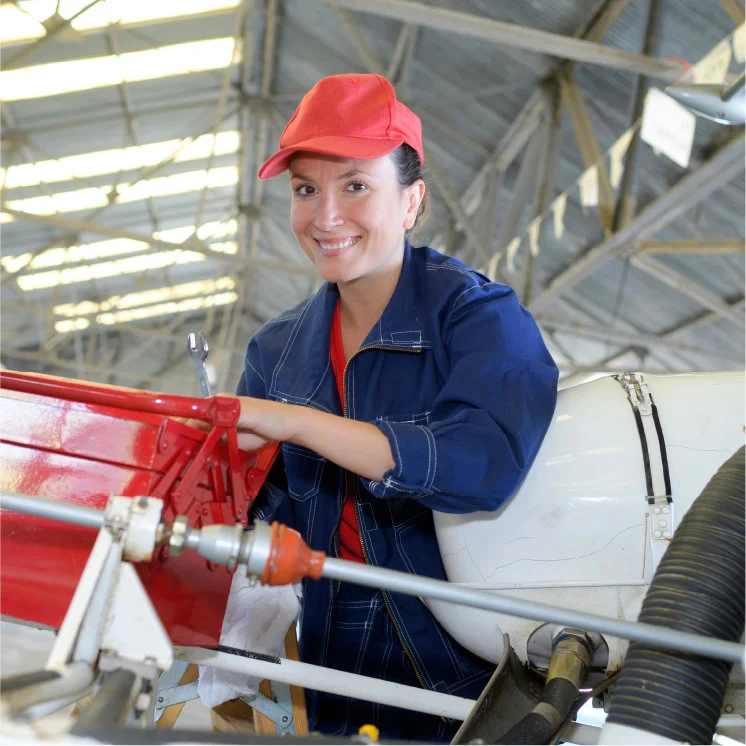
358,446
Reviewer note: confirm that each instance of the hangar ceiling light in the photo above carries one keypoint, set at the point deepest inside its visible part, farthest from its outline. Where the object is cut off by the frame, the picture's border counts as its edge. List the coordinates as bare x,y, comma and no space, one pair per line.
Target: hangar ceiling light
54,78
190,296
23,21
58,256
93,197
101,162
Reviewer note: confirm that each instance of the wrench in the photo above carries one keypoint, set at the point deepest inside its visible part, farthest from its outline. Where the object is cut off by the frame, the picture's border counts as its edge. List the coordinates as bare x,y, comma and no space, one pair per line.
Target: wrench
198,350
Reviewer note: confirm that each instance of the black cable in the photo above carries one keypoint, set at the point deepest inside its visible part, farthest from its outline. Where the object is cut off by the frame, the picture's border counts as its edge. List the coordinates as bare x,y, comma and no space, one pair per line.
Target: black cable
600,688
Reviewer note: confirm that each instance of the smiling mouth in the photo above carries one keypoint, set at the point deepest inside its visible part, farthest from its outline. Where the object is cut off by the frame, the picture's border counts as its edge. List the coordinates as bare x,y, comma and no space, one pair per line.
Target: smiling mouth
336,246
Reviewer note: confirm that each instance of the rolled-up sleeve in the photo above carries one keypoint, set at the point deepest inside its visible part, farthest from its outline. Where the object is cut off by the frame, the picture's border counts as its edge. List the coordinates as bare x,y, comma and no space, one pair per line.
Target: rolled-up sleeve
489,418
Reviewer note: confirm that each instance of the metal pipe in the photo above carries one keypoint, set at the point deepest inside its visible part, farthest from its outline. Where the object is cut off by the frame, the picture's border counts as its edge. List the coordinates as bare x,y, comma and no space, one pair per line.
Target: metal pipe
415,585
73,678
111,704
332,681
54,509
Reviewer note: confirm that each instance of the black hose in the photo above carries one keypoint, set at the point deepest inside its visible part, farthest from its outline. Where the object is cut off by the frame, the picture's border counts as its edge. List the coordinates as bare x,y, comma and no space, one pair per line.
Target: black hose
698,587
111,705
540,724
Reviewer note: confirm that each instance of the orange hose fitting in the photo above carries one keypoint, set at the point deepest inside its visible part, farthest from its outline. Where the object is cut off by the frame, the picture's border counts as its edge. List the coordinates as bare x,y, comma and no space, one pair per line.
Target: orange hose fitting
290,558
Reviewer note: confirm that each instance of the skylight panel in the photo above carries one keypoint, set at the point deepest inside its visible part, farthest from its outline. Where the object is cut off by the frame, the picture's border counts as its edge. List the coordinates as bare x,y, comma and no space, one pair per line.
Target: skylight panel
190,296
90,252
24,22
56,78
101,162
126,266
93,197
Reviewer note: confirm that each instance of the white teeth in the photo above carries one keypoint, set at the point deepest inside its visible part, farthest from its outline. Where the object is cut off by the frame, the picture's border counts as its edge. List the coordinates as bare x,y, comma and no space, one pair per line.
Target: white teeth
336,245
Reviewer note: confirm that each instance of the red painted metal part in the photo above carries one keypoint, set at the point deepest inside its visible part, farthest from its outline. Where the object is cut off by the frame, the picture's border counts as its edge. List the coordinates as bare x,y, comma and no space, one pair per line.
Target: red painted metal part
78,442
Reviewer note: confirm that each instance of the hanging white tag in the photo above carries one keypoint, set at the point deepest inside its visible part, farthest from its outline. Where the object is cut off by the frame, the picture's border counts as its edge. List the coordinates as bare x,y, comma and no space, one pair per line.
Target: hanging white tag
558,212
588,183
668,127
713,67
511,251
616,155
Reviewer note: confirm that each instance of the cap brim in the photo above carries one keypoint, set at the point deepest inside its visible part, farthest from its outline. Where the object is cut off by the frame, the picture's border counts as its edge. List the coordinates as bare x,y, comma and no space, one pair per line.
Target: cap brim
343,147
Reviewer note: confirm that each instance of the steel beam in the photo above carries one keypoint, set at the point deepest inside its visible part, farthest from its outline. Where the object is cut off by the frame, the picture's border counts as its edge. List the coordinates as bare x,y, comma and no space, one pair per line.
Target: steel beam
724,165
734,8
694,246
401,52
626,203
589,148
523,185
85,226
701,320
371,62
129,114
650,341
511,35
545,182
16,60
525,124
455,206
686,286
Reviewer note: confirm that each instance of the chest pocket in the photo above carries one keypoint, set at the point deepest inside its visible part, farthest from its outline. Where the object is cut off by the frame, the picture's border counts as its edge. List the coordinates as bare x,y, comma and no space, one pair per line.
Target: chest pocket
303,468
413,418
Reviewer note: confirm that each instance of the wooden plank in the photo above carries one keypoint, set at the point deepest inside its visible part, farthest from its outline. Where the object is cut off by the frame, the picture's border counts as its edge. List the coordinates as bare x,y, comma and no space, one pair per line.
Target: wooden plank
172,712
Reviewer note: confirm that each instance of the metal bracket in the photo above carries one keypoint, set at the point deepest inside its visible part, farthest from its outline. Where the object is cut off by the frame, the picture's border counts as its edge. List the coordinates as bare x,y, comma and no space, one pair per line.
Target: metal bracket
169,680
637,391
661,518
173,696
660,530
280,712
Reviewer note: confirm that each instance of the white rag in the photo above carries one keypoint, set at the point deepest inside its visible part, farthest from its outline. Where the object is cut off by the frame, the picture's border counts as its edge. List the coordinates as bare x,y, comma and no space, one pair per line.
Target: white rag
257,618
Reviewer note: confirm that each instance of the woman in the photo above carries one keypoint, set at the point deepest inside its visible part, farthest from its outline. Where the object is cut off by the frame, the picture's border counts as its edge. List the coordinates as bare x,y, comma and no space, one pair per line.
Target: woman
408,383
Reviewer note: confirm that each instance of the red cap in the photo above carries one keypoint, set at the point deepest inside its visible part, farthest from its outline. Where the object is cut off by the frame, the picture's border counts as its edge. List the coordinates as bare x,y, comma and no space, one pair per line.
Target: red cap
352,116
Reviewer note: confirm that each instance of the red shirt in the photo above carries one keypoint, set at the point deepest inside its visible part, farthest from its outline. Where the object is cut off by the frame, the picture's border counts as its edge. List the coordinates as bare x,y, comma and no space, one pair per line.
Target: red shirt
350,546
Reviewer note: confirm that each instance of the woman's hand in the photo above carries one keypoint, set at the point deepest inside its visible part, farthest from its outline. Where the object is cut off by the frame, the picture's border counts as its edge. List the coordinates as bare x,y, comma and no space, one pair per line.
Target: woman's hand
262,421
358,446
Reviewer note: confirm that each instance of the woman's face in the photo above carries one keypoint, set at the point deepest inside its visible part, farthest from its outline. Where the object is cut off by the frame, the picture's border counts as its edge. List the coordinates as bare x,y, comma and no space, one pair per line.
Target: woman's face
349,216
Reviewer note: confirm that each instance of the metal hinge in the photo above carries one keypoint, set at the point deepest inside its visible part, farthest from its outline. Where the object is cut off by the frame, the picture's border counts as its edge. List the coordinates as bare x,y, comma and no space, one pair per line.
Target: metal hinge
637,391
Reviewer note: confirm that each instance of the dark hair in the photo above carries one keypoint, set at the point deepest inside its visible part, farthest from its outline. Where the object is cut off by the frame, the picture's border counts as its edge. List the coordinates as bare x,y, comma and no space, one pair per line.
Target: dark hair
408,170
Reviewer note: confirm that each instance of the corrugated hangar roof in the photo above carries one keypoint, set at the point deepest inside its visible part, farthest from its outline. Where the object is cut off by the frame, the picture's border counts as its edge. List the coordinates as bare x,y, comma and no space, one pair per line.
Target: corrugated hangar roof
132,132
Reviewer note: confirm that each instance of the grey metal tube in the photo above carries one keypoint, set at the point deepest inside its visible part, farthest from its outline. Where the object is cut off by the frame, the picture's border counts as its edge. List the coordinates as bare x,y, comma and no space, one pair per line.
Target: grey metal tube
54,509
415,585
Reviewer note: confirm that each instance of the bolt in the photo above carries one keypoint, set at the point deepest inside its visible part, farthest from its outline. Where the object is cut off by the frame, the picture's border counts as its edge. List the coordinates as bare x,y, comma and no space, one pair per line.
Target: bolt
160,699
656,509
666,510
285,717
729,708
666,534
142,503
657,534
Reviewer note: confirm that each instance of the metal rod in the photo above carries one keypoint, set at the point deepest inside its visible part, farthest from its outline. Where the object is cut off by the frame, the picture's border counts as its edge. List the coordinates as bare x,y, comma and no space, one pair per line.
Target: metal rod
54,509
332,681
414,585
111,704
626,201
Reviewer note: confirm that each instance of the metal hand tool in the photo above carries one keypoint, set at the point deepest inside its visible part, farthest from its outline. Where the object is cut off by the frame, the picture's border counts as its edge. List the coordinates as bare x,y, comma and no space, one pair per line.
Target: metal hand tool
198,350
